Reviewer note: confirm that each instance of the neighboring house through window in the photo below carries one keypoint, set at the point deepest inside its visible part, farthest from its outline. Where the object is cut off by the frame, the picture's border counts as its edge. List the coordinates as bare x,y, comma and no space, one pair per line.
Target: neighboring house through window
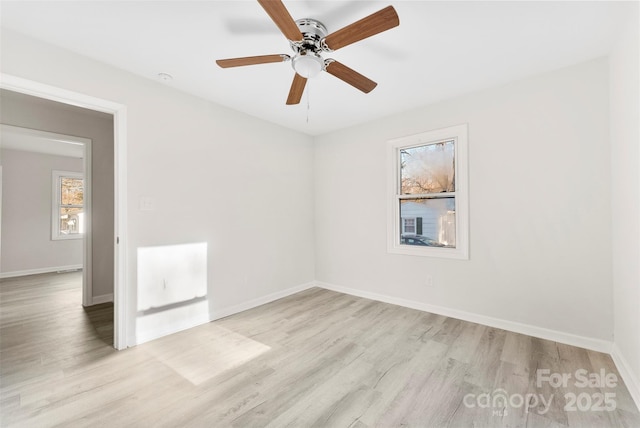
428,196
68,205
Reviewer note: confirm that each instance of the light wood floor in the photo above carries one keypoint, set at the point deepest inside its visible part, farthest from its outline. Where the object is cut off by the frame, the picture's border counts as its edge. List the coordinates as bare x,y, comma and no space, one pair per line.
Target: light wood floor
318,358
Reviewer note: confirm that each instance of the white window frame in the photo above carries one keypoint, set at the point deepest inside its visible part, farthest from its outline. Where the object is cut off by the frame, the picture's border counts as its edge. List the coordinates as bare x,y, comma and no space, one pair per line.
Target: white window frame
459,134
56,176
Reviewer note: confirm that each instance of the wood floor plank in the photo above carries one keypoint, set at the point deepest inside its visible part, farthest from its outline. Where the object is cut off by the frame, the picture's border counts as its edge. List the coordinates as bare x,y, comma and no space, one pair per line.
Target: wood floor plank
396,382
485,360
314,359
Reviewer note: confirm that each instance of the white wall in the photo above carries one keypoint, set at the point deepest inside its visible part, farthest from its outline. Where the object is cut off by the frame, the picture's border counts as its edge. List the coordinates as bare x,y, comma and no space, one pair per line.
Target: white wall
45,115
209,174
26,213
540,234
625,197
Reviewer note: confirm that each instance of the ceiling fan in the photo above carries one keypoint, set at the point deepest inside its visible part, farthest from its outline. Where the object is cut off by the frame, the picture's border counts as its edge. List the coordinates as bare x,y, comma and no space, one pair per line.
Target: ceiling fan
308,39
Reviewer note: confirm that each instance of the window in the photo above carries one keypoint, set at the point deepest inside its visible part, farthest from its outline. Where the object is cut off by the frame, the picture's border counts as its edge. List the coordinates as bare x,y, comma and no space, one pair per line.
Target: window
428,197
409,225
67,217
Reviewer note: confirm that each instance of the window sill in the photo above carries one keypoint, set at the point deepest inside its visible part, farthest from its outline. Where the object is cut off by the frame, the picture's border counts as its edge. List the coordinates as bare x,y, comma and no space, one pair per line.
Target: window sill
443,253
67,237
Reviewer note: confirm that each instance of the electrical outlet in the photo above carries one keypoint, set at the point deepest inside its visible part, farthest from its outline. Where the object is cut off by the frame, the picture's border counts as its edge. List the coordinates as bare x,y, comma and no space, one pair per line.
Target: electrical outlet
429,281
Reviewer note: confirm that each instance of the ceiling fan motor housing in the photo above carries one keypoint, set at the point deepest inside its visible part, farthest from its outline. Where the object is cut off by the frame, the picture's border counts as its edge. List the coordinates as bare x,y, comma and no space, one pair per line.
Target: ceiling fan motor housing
313,31
307,61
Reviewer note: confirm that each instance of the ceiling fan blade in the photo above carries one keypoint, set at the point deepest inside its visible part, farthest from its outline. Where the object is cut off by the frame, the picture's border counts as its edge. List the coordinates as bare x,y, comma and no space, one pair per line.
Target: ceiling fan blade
281,17
251,60
373,24
350,76
297,88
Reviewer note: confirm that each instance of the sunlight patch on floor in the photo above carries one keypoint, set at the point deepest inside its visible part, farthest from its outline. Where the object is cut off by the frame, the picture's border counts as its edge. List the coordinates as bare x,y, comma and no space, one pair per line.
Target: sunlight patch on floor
214,350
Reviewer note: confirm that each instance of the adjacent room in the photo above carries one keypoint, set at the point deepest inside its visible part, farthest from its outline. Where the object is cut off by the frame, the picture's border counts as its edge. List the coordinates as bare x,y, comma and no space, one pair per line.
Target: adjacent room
304,213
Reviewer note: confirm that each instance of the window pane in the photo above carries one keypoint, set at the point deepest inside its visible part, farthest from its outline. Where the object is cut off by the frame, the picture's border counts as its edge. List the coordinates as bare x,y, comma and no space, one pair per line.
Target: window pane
434,222
71,191
428,169
71,221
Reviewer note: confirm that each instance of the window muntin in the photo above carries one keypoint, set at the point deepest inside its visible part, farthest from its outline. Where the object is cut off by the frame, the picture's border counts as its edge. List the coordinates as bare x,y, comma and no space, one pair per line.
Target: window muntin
428,195
68,205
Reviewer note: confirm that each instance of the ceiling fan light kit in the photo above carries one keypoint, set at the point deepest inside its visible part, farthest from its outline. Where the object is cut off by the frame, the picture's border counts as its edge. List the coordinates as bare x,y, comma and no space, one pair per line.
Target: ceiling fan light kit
307,61
309,38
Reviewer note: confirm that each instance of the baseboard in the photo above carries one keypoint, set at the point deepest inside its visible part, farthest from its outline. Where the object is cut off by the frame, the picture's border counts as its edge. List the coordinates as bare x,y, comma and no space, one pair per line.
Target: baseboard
531,330
628,376
103,298
39,271
225,312
156,333
205,317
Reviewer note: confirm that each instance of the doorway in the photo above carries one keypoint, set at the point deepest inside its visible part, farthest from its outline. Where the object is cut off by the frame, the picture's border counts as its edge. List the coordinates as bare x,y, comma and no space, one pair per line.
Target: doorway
118,237
46,157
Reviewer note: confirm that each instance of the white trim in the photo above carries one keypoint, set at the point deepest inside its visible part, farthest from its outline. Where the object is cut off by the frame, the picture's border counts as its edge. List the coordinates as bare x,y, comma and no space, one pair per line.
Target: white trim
122,335
628,376
241,307
459,133
598,345
42,90
87,261
104,298
38,271
176,327
119,111
220,313
63,145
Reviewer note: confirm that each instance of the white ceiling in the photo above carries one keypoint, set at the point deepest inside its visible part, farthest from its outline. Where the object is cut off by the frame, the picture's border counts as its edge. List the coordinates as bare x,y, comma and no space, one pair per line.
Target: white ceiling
440,50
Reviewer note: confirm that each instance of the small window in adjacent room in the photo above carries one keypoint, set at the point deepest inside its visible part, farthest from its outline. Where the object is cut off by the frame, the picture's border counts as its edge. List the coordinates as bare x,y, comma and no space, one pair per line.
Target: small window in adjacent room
428,197
68,205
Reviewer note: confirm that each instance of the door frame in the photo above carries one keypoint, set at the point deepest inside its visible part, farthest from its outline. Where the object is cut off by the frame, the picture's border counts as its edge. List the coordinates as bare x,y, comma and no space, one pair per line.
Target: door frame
87,286
119,112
